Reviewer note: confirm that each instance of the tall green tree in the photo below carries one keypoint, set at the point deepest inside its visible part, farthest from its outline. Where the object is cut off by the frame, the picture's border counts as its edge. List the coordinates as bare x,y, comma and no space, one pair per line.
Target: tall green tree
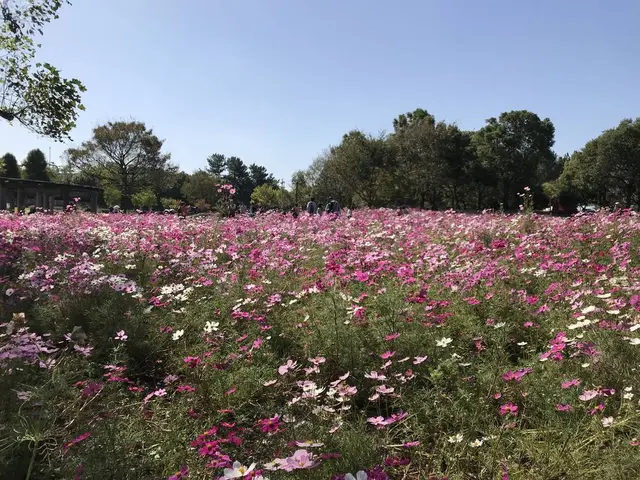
123,155
216,164
260,176
361,164
323,182
423,147
11,168
515,147
35,166
238,176
34,94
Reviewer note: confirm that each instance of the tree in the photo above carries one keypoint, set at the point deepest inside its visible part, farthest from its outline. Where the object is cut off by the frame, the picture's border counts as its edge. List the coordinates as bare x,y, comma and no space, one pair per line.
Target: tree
260,176
422,145
145,198
34,94
606,170
124,155
299,187
163,179
35,166
11,168
201,185
514,147
112,196
217,164
268,196
173,188
238,176
361,163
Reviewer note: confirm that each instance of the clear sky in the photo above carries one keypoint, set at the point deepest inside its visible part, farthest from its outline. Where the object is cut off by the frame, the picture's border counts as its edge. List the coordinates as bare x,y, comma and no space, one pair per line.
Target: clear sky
276,81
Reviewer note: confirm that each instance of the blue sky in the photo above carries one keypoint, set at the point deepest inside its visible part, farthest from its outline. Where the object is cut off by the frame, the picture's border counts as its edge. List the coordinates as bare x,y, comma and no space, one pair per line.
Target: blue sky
276,81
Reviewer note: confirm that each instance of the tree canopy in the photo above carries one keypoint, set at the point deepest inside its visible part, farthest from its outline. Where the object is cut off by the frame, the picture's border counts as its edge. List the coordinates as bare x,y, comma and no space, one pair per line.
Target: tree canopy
35,166
124,155
11,169
34,94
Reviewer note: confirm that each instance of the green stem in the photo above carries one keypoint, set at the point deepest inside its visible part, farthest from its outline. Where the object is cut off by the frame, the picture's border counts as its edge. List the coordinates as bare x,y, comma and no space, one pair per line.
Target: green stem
32,461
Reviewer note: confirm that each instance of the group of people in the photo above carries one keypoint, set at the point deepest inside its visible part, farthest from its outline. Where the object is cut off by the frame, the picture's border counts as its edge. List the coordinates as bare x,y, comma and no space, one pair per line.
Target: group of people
332,207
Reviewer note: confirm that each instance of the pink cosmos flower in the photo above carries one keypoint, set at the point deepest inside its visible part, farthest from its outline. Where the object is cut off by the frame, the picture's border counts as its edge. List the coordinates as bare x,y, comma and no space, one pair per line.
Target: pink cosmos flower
121,336
290,365
419,360
597,409
185,388
378,422
391,336
561,407
302,459
270,425
384,390
588,395
508,408
317,360
192,362
396,461
570,383
92,388
183,473
375,376
387,355
516,376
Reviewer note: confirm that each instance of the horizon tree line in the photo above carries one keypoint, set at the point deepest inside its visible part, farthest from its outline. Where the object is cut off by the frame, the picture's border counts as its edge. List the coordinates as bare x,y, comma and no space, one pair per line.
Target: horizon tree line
423,163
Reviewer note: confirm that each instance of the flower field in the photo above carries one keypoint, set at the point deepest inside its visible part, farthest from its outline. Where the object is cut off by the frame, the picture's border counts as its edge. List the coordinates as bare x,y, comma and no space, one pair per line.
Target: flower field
424,346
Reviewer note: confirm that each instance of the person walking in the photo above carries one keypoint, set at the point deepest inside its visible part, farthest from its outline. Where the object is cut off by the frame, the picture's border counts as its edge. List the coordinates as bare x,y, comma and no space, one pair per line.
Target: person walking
312,208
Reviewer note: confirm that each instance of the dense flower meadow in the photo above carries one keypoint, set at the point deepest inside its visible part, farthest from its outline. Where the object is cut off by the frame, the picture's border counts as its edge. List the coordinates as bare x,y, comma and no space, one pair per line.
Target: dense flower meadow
423,346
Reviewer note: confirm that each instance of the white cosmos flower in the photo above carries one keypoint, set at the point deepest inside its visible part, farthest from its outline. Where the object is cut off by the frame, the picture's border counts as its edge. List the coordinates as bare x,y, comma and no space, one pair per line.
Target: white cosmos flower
361,475
211,327
443,342
238,470
177,334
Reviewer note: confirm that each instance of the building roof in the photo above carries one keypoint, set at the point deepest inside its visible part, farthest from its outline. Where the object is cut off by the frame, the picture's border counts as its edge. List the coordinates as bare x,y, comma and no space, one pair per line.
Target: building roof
14,182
